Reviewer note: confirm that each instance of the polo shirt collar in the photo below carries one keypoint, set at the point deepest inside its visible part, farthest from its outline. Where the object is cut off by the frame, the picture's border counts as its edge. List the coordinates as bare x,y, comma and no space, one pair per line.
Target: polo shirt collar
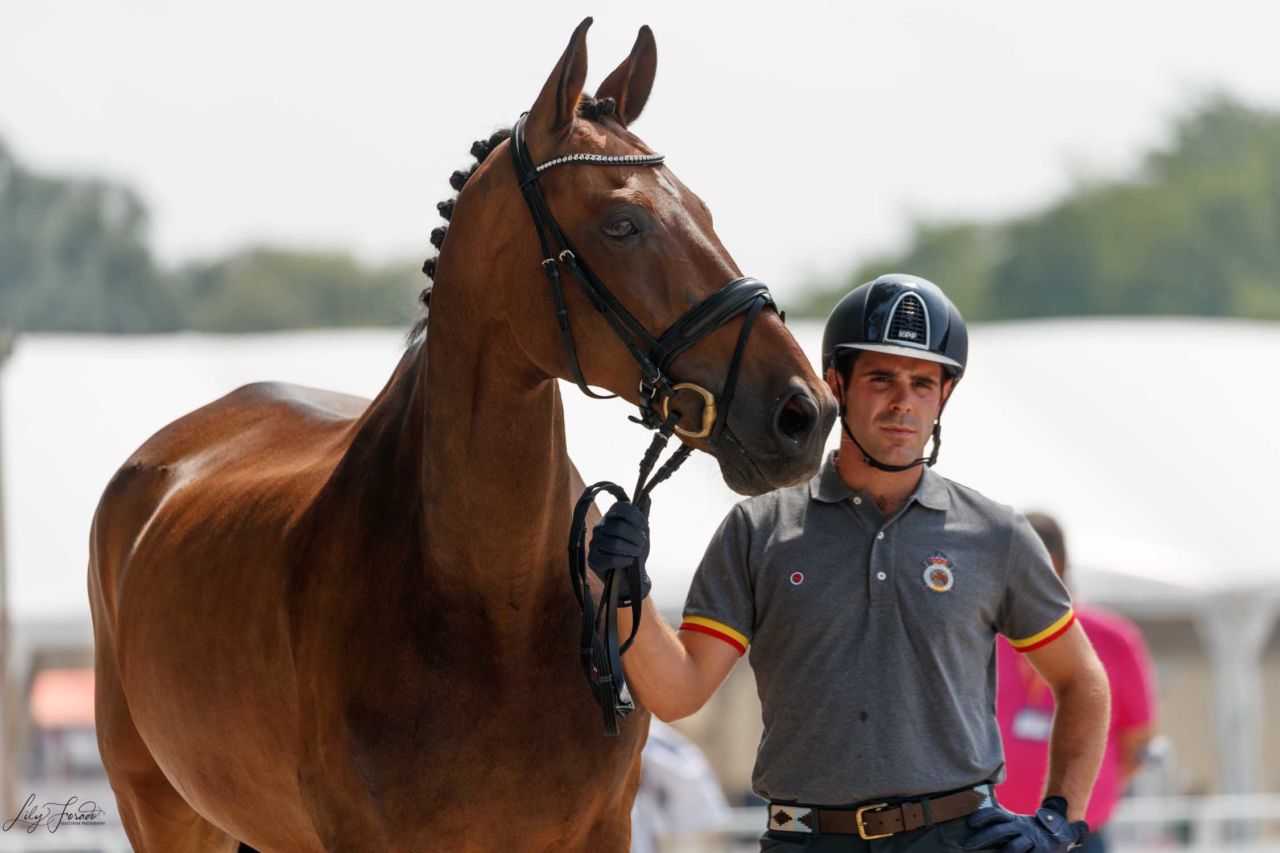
932,491
828,487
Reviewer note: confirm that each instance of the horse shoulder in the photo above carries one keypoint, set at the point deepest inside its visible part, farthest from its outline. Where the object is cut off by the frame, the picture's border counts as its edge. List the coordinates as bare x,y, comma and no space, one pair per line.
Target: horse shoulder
268,446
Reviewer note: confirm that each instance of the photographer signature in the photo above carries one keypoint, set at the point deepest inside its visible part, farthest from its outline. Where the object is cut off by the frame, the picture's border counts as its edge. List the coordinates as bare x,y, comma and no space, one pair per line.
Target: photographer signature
53,815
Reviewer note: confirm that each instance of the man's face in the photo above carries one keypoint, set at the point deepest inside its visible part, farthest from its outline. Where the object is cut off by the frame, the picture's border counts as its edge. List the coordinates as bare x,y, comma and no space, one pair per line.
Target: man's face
892,402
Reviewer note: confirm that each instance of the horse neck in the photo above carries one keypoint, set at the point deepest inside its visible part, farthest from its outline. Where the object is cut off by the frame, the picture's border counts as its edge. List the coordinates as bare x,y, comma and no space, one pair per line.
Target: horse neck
495,473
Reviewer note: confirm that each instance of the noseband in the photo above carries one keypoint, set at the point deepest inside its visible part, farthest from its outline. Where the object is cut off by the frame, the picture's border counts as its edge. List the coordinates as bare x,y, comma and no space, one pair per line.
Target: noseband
599,649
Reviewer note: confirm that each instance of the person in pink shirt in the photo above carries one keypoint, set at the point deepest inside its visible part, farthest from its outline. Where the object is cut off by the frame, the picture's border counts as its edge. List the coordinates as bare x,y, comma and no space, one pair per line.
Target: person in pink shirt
1024,706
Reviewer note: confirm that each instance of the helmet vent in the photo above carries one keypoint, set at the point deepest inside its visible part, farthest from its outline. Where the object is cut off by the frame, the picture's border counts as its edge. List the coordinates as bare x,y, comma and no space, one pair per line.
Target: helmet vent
908,322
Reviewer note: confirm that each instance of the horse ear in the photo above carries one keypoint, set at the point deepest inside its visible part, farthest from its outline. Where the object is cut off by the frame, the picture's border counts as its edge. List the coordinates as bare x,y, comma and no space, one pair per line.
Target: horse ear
630,82
552,115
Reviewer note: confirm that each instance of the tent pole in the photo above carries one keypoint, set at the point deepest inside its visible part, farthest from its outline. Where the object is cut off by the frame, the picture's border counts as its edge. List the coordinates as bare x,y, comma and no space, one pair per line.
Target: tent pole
8,761
1235,627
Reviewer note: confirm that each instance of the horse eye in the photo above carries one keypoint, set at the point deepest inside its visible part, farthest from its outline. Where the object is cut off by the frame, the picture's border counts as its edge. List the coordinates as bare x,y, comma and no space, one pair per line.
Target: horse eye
620,228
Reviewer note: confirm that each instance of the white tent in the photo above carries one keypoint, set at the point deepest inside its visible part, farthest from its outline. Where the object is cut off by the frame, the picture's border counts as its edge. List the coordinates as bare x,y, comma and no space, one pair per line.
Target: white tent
1152,440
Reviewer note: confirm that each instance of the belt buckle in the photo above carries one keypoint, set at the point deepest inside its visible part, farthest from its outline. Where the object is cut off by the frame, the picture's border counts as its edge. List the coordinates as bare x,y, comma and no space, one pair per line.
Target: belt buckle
857,819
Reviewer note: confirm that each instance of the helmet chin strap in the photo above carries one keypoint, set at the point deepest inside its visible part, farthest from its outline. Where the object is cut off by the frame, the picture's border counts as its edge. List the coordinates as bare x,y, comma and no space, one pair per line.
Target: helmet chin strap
929,460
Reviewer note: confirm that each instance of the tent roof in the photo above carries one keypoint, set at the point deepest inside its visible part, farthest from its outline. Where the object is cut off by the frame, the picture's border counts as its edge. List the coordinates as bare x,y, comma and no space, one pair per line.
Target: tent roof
1152,440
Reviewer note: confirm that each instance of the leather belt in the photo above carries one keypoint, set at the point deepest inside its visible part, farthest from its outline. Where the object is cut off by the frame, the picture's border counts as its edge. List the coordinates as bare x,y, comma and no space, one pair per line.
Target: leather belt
876,820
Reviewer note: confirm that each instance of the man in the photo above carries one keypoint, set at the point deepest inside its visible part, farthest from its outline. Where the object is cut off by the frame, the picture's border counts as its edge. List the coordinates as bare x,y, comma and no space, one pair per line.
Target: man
871,597
1024,705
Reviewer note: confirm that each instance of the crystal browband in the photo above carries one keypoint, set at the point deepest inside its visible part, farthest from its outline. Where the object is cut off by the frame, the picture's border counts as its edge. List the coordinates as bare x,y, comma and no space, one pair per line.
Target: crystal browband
604,160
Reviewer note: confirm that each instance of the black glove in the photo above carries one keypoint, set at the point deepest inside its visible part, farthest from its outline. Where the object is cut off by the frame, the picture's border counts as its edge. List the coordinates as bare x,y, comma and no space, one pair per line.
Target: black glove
1046,831
618,541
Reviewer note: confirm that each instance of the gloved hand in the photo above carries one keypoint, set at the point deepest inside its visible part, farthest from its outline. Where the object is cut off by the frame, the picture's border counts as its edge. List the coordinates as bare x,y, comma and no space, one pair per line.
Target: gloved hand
617,541
1046,831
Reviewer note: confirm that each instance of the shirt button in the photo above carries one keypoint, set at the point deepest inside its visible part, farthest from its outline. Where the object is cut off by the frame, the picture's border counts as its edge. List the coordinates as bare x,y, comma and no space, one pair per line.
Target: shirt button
880,535
857,501
881,576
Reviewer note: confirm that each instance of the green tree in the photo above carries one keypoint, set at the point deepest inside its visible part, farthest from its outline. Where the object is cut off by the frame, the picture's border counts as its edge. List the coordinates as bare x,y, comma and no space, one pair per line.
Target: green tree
264,288
963,256
1195,231
73,256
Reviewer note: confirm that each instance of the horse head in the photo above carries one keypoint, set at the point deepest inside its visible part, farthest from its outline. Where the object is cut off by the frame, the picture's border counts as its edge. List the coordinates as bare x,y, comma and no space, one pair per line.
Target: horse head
647,240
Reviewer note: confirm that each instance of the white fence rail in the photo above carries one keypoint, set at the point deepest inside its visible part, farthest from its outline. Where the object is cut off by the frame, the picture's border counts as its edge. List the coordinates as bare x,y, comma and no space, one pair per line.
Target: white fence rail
1246,822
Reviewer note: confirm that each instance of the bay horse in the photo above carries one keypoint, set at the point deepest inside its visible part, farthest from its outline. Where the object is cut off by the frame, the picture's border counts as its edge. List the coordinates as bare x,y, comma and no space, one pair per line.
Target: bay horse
325,623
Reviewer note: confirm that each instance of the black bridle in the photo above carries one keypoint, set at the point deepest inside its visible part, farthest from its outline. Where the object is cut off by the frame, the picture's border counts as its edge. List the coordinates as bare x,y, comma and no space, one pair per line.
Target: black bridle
600,651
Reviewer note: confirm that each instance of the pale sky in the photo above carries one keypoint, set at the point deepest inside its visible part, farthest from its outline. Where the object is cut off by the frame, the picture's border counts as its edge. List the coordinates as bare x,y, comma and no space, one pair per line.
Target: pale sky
814,130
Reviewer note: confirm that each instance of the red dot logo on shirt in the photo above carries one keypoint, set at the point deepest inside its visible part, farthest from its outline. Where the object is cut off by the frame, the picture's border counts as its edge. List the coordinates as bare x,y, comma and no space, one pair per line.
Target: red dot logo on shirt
797,578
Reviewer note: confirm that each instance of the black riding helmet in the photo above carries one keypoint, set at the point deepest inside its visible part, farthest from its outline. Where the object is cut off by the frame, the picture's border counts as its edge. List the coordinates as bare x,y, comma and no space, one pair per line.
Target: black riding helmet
902,315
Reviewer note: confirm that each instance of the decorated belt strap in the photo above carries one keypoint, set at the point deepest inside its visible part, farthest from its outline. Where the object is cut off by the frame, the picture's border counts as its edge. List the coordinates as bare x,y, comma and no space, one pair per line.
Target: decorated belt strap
790,818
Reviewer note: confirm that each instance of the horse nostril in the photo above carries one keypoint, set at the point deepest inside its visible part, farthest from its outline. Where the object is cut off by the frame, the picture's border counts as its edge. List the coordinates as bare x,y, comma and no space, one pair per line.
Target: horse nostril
796,417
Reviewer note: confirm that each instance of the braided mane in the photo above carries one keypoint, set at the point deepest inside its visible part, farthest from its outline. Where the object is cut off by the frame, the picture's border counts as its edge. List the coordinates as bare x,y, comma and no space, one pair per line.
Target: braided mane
589,108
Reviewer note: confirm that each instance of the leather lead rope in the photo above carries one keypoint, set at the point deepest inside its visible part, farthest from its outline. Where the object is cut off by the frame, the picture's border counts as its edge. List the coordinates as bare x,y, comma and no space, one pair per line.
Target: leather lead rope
598,647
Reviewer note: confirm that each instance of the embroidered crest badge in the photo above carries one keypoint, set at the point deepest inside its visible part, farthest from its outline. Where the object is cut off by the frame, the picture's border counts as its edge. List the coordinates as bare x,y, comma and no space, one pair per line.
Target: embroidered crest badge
938,573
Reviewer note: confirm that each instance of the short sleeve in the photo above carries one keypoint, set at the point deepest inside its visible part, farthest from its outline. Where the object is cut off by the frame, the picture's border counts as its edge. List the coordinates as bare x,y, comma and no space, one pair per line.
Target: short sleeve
721,601
1036,607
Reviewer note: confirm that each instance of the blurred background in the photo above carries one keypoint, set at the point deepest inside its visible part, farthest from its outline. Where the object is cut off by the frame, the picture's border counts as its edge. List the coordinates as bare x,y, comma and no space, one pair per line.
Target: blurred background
195,196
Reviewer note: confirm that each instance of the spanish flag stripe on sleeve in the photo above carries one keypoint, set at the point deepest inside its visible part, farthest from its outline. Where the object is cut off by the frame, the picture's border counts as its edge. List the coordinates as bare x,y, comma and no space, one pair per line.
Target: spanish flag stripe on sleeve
1048,635
703,625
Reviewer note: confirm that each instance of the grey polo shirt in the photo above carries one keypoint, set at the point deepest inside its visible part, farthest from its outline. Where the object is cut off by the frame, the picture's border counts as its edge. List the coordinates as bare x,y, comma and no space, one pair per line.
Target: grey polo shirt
873,639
